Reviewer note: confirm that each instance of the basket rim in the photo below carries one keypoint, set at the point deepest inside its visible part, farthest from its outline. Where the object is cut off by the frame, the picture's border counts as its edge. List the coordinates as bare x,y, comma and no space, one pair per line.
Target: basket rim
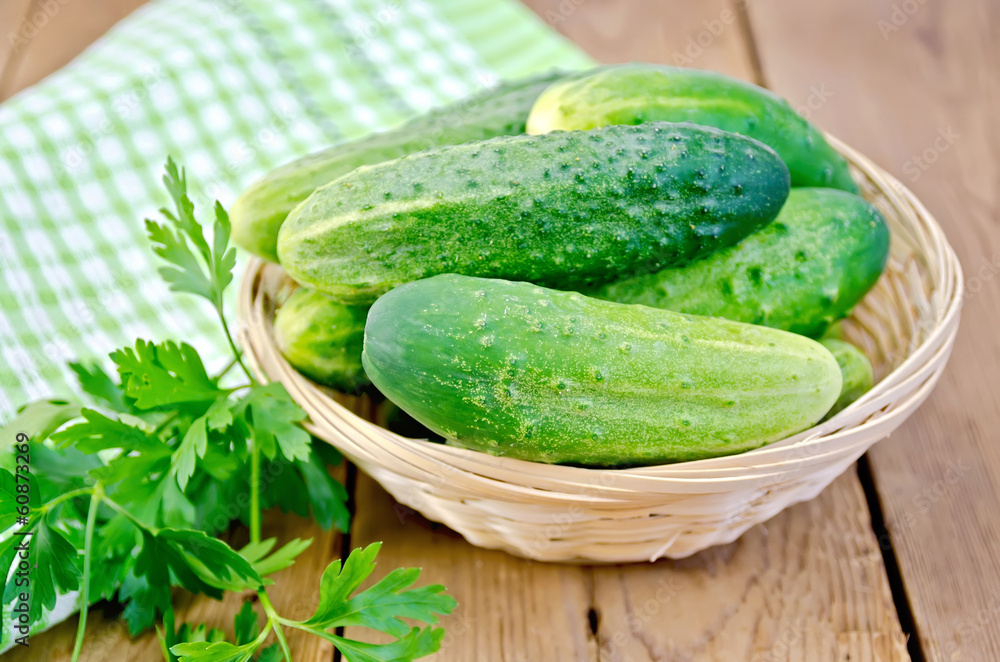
872,413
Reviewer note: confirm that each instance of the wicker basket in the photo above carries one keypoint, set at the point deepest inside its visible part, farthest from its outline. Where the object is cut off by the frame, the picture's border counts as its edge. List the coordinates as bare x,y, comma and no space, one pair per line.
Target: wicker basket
906,325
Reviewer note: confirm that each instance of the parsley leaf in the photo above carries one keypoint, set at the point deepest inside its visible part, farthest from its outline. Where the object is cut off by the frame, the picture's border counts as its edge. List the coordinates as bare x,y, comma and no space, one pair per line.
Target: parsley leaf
245,624
273,418
418,643
271,654
170,637
257,554
53,569
185,243
96,383
380,607
197,562
221,651
383,605
327,495
38,420
164,374
97,432
167,458
195,441
8,500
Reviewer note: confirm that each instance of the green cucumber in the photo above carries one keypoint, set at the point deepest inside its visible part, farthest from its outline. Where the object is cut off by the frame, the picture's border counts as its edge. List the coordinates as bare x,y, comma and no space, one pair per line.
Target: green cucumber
322,338
856,372
635,93
514,369
565,210
806,269
834,331
261,209
394,419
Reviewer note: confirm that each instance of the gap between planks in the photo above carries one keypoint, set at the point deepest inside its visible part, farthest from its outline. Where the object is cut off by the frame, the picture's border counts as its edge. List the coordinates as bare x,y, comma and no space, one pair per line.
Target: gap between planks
810,585
915,86
616,32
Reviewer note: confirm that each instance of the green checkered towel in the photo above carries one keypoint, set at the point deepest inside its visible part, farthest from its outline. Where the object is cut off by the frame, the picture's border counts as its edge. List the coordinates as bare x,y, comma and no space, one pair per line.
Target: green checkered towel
230,89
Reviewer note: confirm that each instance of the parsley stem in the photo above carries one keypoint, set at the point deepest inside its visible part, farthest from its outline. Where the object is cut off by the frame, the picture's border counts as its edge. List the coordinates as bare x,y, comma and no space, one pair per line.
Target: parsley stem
88,544
160,428
229,366
255,492
273,617
45,507
132,518
232,345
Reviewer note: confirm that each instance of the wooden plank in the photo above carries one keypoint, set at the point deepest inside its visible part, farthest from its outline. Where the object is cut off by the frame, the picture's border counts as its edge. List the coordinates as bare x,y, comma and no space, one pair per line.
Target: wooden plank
915,85
294,595
509,609
15,29
808,586
517,610
705,34
53,33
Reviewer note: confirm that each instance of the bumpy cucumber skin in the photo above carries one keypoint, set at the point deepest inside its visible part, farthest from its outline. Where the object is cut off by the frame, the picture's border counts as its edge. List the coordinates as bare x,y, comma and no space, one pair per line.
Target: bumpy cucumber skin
322,338
856,372
260,210
801,272
565,210
518,370
635,93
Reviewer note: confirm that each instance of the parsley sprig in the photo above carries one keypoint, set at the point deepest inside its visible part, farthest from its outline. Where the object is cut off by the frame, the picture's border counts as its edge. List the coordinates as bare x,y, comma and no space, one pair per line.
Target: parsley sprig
129,491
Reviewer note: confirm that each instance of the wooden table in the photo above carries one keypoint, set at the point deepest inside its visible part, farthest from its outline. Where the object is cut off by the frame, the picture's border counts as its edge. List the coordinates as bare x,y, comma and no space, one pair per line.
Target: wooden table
898,559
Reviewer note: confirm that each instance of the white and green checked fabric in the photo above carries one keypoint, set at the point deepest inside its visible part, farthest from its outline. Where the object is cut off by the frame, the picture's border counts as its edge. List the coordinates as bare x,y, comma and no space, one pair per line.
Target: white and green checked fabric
230,89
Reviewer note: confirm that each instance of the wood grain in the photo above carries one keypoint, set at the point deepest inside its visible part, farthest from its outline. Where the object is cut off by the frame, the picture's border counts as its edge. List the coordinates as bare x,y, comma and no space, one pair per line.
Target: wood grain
809,586
509,609
704,34
907,85
14,28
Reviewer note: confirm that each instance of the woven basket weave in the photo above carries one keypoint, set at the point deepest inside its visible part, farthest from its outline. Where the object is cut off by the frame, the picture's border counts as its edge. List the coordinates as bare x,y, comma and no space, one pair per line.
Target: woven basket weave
906,325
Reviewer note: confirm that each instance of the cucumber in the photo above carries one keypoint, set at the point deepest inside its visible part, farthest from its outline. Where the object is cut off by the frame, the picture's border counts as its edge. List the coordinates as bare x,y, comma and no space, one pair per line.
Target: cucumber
322,338
855,369
635,93
261,209
394,419
809,267
514,369
564,210
834,331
